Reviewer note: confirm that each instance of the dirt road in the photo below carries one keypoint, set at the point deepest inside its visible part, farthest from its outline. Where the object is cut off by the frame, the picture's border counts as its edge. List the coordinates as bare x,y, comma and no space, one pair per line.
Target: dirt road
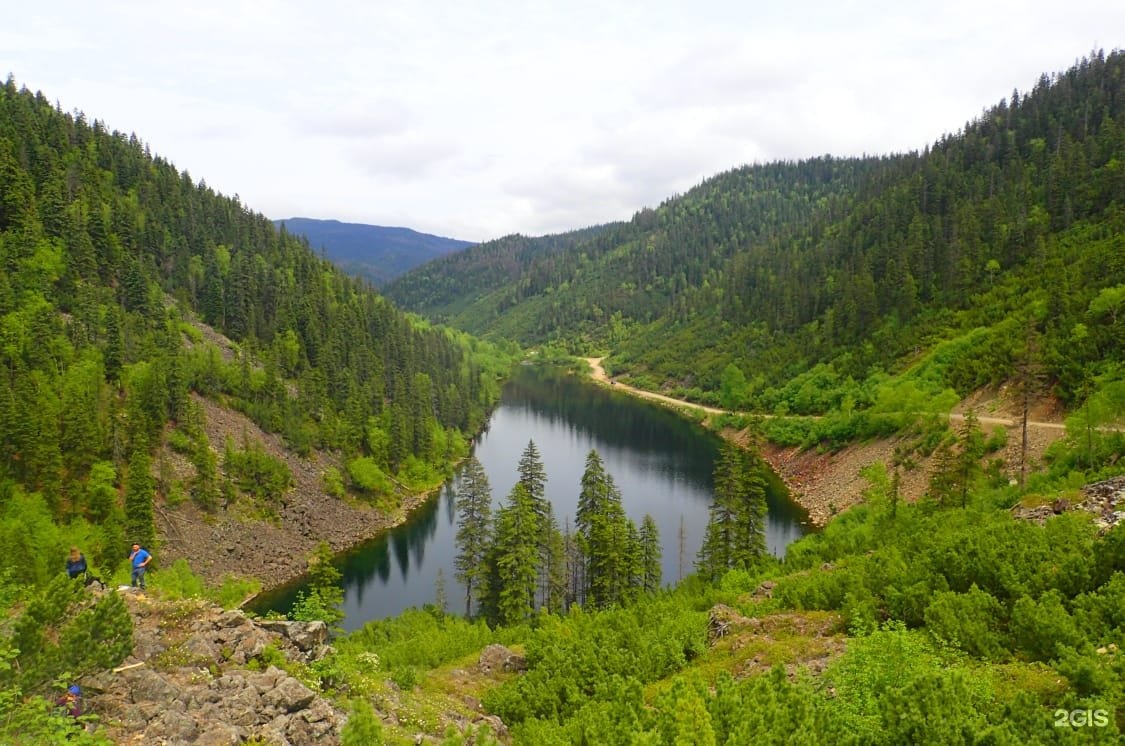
827,482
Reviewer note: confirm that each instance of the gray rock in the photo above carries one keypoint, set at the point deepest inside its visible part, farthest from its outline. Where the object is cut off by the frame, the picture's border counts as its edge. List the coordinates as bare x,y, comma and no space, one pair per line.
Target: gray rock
232,618
202,648
146,685
220,734
302,732
244,707
266,680
500,658
305,635
173,726
289,695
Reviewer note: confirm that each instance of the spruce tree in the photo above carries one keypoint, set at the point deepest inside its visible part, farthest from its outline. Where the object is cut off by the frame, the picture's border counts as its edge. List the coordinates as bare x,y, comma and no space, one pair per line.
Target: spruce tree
605,537
474,509
533,477
140,488
513,560
736,531
650,555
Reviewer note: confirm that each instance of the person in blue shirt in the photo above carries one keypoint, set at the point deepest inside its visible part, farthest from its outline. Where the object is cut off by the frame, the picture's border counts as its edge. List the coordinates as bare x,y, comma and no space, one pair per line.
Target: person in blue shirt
140,558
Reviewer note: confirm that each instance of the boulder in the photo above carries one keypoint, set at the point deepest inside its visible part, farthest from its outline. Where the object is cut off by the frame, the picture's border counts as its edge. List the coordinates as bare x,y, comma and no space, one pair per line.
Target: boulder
146,685
289,695
499,658
306,636
172,726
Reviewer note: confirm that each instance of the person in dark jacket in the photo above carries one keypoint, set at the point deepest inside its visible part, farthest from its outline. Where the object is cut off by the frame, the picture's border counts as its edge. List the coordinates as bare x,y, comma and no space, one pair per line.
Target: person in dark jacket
76,566
70,701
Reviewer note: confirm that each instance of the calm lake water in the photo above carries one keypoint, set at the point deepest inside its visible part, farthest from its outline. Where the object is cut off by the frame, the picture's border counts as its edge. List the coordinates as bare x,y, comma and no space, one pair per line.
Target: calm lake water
661,463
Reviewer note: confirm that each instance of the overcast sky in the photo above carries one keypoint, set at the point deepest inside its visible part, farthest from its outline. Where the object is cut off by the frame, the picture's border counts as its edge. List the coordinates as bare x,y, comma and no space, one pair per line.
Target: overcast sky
474,119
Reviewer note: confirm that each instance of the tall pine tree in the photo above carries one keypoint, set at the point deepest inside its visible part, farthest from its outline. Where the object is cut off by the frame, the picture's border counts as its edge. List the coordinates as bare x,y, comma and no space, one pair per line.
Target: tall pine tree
736,532
474,509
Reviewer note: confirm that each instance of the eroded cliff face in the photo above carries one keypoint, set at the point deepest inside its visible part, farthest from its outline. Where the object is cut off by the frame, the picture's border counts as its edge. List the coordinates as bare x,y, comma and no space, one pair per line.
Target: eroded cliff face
202,675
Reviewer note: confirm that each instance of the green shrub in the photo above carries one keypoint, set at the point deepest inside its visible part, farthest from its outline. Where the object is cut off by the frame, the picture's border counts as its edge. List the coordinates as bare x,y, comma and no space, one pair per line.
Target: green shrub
969,621
1039,627
368,477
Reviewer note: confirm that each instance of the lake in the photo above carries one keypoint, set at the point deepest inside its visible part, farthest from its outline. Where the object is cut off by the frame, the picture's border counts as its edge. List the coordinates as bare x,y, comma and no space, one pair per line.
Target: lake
661,463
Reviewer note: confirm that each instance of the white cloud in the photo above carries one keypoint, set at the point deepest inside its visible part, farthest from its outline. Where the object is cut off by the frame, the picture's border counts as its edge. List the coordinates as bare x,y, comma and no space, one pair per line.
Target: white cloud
479,119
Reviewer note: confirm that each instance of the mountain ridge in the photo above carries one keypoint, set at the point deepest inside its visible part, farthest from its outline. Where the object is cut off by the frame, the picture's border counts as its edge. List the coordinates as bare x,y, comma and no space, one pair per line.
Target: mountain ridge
376,253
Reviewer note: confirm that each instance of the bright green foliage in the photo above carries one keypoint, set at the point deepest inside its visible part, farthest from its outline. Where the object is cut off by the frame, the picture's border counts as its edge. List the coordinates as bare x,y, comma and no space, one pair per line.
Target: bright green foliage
1040,626
257,473
62,631
584,657
419,638
363,727
324,596
368,477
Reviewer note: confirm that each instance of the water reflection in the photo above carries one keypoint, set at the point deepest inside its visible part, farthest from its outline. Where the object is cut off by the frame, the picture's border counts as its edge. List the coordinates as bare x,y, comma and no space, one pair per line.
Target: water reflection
661,463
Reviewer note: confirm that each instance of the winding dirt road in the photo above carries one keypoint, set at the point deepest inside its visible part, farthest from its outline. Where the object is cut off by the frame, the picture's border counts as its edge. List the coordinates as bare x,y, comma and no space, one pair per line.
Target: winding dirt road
825,483
599,375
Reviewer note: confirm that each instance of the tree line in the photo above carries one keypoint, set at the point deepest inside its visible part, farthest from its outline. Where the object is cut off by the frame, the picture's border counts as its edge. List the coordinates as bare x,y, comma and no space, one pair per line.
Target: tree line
518,560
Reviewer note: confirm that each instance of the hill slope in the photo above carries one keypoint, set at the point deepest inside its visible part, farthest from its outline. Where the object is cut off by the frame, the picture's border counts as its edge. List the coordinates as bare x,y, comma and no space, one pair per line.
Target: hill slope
835,269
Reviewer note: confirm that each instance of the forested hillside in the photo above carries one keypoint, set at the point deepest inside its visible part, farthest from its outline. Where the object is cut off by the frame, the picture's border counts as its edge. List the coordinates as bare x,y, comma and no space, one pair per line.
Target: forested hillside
1010,227
374,252
117,268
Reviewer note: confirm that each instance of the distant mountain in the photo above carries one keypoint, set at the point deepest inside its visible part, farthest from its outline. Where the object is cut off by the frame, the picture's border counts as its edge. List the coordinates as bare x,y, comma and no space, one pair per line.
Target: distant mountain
373,252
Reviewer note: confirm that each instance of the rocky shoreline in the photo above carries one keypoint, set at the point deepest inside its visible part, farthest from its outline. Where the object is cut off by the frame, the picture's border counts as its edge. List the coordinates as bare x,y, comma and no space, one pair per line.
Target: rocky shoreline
230,541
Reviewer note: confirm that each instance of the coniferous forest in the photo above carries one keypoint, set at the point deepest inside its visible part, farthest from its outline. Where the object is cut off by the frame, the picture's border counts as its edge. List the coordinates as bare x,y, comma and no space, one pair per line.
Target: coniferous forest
847,299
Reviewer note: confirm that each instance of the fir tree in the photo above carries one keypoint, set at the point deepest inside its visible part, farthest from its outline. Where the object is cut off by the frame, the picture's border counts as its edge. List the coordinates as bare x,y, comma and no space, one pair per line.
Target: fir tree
605,536
736,531
650,555
513,560
474,509
140,488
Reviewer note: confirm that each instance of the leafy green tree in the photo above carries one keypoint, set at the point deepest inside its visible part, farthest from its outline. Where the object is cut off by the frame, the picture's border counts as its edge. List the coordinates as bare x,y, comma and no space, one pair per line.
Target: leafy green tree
733,388
323,596
474,522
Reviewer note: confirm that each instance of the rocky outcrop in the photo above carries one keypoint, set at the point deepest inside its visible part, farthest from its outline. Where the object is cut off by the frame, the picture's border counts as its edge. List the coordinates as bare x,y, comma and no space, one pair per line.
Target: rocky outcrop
496,658
1105,500
201,675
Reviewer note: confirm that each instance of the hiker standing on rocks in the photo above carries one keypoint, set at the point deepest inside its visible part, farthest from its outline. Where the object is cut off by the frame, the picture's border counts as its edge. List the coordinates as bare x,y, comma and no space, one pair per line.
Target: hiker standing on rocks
140,558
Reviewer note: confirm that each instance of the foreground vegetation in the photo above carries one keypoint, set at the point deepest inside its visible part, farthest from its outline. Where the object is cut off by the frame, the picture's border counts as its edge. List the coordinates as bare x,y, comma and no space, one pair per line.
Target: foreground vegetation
899,623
